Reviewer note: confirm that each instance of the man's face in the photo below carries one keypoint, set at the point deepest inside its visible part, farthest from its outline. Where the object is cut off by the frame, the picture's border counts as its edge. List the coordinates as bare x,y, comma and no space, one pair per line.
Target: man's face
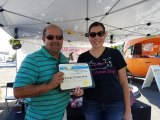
53,40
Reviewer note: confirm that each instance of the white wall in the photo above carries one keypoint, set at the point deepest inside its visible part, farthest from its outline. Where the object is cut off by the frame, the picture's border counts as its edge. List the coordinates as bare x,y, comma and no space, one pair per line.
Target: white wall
28,46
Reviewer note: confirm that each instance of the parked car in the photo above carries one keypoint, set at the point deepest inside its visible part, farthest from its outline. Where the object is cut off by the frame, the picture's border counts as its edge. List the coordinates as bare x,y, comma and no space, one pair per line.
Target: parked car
9,60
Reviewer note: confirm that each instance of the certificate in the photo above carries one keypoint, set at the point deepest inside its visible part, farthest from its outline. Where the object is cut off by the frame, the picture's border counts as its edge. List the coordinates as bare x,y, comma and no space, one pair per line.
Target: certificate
76,75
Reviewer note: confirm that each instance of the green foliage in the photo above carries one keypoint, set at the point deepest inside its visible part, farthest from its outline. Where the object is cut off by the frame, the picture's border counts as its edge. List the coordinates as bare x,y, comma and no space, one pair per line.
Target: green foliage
14,56
119,47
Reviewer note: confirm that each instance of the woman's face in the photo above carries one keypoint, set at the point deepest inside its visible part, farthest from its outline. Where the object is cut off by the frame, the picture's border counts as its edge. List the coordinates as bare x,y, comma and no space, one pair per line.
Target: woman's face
97,36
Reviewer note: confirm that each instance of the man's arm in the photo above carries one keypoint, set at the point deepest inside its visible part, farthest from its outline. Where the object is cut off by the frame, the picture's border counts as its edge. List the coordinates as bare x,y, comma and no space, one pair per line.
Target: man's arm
35,90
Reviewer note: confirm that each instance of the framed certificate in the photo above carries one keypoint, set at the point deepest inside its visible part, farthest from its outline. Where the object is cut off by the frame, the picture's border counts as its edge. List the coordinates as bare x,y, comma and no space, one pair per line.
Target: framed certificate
76,75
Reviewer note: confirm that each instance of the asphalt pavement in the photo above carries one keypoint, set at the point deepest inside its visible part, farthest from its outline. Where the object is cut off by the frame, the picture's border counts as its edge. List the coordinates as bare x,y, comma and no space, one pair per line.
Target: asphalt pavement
149,96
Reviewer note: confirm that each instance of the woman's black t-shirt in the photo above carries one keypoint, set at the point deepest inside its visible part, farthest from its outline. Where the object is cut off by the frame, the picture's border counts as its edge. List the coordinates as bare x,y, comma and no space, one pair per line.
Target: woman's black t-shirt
104,70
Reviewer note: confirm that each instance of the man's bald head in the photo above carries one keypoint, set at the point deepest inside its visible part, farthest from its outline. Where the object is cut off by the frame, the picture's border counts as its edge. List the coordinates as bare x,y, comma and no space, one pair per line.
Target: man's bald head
51,26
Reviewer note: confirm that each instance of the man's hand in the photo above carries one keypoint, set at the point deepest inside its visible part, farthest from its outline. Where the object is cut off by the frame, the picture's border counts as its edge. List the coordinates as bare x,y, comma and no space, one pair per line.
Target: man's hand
56,80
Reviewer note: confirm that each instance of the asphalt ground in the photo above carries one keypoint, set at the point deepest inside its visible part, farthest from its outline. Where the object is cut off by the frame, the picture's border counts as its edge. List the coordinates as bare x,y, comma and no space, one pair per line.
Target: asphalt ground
149,96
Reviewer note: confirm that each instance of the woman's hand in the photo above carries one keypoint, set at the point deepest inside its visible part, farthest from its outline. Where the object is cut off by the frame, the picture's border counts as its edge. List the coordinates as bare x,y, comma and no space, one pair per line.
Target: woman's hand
78,92
127,116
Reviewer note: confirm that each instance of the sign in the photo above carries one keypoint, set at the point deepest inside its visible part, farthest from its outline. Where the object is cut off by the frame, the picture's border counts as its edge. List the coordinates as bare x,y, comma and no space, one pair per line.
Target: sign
153,72
76,75
75,51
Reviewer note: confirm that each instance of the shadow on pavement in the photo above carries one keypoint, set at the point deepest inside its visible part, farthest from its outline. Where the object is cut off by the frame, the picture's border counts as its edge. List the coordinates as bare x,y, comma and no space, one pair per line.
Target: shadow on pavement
151,93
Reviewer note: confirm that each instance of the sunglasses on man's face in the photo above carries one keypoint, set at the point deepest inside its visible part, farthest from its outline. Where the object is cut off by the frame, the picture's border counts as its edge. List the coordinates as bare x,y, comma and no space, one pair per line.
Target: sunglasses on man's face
51,37
93,34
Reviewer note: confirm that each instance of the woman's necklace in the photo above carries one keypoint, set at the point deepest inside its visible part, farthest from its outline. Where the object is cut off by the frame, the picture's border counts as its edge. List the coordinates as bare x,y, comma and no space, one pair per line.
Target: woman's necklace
97,52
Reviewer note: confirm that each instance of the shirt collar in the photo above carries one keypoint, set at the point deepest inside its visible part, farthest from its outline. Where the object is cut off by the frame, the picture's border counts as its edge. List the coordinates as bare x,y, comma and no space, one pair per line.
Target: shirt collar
47,54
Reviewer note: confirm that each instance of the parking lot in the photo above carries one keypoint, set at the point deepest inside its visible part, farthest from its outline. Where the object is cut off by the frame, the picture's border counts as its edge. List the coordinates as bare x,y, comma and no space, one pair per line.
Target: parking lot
149,96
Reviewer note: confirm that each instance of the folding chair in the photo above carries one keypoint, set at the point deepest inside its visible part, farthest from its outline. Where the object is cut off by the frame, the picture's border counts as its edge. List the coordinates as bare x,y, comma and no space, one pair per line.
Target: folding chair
8,97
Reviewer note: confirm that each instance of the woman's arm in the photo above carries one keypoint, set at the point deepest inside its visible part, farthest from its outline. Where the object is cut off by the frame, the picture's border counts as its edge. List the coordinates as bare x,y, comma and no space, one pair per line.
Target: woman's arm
124,83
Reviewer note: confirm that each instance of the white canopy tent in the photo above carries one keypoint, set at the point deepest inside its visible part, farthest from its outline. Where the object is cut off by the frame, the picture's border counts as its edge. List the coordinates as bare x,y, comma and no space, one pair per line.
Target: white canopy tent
123,19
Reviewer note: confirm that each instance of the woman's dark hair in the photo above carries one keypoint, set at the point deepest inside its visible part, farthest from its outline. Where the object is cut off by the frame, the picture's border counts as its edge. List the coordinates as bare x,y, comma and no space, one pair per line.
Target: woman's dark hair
96,24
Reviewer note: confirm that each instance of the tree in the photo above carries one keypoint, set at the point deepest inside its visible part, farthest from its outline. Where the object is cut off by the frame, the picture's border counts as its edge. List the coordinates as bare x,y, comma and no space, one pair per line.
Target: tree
14,56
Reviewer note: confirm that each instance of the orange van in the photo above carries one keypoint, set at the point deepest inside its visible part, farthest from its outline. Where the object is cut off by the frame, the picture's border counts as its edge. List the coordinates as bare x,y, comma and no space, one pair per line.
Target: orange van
141,53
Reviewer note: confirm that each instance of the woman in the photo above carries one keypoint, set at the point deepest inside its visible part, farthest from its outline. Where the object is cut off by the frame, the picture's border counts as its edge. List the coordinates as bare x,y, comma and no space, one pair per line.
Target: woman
110,99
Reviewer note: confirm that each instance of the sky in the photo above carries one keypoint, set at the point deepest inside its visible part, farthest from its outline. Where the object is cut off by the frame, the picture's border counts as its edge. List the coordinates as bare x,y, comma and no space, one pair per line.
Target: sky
4,44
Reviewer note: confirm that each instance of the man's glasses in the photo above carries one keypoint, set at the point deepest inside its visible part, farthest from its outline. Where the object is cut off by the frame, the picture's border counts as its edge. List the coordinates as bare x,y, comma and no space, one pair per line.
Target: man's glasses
51,37
93,34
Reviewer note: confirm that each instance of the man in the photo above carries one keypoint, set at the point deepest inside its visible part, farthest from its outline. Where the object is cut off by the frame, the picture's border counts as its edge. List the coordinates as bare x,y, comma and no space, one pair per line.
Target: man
38,79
